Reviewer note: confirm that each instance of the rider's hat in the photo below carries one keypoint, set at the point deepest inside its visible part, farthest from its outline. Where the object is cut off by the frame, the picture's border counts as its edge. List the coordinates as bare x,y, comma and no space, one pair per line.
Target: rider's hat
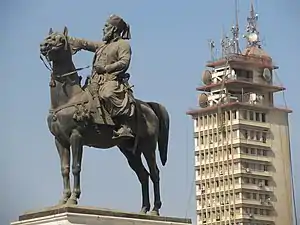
122,26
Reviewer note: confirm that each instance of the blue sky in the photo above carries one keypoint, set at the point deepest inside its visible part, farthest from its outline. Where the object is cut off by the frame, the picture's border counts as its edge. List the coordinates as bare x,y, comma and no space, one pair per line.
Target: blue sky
170,48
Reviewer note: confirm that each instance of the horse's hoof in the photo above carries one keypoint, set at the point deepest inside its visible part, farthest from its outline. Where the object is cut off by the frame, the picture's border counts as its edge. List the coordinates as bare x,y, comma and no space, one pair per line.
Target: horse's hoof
154,212
72,201
144,210
62,201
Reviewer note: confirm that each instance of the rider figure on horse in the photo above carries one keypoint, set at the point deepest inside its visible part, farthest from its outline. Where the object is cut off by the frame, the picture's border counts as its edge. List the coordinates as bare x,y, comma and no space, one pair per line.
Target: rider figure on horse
111,61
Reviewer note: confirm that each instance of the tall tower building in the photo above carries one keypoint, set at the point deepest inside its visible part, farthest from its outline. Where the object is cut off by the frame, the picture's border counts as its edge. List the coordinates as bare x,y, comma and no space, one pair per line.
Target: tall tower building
242,149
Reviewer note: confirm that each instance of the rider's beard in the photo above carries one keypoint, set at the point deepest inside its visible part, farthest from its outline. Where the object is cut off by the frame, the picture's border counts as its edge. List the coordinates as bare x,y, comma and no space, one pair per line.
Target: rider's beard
108,36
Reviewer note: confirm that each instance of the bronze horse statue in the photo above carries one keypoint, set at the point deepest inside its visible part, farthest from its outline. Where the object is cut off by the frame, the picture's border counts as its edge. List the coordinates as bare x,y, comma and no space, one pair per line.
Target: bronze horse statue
69,100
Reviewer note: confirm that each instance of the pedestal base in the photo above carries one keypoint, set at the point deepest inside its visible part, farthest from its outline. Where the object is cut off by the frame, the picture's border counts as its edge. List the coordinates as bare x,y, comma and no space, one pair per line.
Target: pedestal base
69,215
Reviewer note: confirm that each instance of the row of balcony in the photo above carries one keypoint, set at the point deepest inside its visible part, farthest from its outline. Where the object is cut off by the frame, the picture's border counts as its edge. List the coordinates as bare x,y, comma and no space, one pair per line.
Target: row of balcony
246,171
233,122
233,141
231,187
257,203
239,217
235,157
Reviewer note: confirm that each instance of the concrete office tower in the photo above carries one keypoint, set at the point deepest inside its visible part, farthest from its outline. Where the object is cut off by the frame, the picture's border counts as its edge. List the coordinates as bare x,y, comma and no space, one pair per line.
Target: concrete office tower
242,149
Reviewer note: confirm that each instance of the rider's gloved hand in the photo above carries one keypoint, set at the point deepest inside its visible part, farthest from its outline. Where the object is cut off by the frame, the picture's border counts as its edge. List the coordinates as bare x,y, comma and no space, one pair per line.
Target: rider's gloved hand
99,68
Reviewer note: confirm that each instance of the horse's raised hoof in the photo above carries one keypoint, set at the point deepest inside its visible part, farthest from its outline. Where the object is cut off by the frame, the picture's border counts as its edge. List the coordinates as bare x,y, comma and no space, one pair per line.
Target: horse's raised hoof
144,210
154,212
72,201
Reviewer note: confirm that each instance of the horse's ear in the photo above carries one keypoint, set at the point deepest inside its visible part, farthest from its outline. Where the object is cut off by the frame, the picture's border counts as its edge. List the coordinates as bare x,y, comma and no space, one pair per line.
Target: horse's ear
65,31
50,31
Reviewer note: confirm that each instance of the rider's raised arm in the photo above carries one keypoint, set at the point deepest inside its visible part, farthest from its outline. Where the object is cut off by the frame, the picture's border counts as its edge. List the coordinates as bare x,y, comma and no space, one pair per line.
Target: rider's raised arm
124,53
80,43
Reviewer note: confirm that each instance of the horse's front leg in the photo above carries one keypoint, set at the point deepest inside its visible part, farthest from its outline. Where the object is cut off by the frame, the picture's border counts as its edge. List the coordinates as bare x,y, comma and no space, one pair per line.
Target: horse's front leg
77,148
64,155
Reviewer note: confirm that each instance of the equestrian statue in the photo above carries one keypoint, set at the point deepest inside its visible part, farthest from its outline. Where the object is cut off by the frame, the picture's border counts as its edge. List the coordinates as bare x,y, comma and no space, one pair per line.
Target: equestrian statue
103,112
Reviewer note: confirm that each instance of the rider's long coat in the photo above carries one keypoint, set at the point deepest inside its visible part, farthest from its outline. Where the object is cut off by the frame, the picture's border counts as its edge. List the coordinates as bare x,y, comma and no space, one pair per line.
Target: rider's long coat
115,57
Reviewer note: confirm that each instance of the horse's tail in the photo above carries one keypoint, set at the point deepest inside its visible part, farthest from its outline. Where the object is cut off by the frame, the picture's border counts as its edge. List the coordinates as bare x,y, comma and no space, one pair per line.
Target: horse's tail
164,124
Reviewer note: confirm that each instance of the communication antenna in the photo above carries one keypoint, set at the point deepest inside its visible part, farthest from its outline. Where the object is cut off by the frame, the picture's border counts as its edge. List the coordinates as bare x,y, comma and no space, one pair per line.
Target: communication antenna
236,30
211,48
225,44
223,41
231,45
252,35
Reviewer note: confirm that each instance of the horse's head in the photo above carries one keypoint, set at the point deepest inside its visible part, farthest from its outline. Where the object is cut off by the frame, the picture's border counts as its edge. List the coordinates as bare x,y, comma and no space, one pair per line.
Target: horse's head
57,49
55,46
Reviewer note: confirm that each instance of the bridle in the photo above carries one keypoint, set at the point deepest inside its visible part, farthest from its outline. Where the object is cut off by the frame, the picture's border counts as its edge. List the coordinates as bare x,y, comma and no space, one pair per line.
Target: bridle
47,64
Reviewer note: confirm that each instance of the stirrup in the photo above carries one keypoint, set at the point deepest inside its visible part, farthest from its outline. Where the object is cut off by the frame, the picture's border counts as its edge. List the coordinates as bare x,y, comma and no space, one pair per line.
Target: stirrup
125,133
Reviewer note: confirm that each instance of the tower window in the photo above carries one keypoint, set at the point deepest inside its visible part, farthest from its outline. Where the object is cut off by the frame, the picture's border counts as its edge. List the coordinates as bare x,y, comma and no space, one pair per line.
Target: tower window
263,117
265,153
201,120
234,114
246,134
257,116
264,137
266,183
196,122
251,115
196,141
249,74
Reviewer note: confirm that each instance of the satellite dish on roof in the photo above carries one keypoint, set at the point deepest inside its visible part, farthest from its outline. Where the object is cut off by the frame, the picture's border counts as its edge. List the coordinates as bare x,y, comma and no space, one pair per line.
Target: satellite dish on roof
203,100
253,37
267,75
206,77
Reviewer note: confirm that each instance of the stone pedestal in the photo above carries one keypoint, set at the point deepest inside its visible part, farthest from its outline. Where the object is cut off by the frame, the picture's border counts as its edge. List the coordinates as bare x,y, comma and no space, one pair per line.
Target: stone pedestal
69,215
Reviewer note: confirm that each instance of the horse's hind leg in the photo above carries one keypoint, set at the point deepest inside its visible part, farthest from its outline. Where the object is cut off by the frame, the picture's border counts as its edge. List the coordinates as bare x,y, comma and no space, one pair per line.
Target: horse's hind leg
136,164
149,153
64,154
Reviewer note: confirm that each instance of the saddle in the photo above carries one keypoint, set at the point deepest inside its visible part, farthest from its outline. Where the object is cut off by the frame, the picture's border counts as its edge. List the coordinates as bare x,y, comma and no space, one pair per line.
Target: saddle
95,108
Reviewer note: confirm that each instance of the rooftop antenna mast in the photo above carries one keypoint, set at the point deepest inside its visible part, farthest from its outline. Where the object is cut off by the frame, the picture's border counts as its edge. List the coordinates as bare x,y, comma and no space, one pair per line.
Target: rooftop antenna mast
225,43
235,31
231,45
252,35
211,48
